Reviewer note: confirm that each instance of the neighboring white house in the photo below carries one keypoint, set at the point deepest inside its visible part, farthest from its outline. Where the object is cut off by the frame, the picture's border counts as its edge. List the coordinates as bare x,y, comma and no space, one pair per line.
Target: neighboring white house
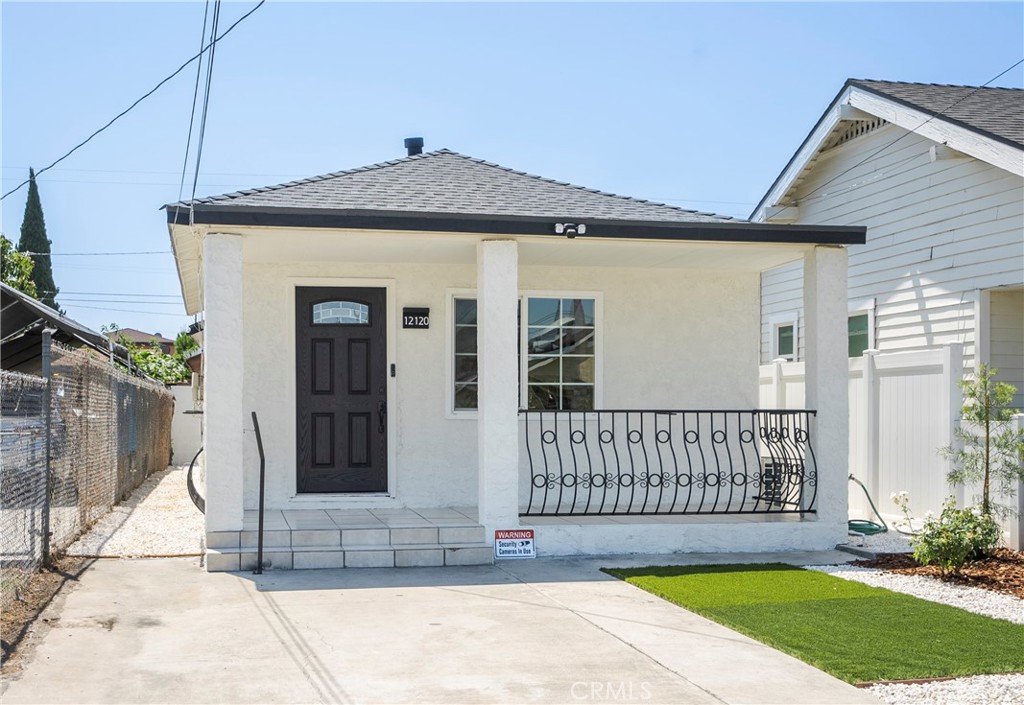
936,174
438,347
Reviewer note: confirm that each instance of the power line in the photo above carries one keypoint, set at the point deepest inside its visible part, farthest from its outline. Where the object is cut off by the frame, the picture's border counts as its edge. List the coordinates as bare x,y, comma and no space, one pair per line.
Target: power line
941,113
124,112
206,103
95,254
192,115
126,310
64,300
111,293
172,173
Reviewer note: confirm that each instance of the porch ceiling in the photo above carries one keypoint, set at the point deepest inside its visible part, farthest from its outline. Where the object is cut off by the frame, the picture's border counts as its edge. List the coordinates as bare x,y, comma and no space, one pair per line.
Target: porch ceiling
460,248
271,245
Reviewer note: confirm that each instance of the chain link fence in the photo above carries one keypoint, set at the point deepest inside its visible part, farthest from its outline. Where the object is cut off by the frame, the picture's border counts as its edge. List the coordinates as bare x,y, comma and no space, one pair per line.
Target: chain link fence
108,432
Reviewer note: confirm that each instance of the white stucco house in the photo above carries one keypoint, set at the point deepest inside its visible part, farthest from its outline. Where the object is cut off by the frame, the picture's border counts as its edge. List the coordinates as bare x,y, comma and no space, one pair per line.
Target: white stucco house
936,174
438,348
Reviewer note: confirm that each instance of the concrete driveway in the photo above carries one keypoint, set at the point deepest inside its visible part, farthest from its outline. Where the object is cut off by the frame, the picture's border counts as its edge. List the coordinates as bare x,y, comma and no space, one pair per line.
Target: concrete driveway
548,631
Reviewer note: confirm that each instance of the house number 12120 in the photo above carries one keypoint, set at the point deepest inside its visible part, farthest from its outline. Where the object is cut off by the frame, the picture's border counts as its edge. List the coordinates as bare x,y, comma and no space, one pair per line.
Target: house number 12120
415,318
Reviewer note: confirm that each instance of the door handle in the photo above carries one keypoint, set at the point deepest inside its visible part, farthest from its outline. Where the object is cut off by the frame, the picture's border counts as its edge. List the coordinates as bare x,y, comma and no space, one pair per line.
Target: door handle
382,412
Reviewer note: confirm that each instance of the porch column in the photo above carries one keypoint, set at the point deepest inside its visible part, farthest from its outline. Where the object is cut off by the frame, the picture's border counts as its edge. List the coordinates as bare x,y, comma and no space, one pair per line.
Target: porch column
223,415
827,375
498,390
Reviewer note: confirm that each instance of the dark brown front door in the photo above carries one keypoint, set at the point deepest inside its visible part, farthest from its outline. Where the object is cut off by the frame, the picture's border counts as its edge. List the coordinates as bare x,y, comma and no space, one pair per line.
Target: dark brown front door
341,389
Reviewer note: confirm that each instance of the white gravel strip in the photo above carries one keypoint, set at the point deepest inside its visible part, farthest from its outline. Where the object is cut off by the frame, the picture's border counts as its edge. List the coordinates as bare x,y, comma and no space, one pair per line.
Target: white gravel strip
973,690
972,599
159,519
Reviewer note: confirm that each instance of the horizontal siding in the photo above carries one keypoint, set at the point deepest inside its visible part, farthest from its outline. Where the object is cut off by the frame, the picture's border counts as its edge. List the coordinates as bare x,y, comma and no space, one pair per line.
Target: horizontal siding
1006,333
937,232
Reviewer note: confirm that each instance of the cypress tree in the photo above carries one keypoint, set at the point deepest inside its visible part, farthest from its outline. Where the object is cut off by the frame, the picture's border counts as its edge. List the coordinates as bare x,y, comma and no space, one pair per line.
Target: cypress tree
33,239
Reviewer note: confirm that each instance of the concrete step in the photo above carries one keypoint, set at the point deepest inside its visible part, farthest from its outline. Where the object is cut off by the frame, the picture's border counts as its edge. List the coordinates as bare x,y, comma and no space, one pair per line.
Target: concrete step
364,556
281,539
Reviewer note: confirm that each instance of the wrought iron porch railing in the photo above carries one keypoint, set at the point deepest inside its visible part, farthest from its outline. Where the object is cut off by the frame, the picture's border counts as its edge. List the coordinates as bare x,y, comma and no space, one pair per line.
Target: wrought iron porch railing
625,462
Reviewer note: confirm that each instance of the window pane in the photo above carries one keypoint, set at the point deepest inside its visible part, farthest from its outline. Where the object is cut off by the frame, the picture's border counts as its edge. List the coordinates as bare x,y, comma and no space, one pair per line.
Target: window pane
346,313
785,341
857,327
543,396
543,340
578,312
465,339
578,369
465,368
578,341
542,312
577,398
542,369
465,396
465,311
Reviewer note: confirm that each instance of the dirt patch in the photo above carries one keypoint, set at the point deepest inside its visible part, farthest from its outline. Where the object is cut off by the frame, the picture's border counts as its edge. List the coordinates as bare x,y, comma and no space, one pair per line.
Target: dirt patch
1003,571
20,619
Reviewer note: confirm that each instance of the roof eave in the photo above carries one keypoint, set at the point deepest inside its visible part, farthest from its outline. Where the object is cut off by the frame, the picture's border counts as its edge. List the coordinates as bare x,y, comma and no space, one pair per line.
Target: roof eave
717,231
1005,154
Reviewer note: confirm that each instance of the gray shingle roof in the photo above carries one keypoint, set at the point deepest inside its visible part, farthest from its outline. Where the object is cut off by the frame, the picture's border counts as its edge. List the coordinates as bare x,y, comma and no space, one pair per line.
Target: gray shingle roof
447,182
997,112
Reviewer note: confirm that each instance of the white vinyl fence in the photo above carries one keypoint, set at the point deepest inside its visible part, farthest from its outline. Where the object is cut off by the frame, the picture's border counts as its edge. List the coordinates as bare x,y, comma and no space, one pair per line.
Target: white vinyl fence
904,406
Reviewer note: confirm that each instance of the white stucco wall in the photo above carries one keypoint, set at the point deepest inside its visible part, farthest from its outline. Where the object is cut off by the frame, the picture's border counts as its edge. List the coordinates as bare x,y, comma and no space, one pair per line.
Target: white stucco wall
668,338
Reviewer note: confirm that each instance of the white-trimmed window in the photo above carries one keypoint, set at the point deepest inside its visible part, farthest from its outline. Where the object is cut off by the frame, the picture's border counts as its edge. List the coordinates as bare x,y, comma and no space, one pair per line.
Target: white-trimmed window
783,336
861,327
557,352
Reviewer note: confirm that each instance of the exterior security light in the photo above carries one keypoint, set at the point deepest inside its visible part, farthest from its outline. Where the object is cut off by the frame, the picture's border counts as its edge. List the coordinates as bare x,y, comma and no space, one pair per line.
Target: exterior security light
570,230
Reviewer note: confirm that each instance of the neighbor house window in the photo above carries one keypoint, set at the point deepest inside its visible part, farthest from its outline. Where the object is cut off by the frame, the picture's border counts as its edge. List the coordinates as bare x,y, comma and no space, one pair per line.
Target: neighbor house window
857,328
860,326
557,353
782,341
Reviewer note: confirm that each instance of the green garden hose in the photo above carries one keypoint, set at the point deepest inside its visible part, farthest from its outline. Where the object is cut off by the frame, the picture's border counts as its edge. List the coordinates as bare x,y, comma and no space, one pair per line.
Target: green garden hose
863,526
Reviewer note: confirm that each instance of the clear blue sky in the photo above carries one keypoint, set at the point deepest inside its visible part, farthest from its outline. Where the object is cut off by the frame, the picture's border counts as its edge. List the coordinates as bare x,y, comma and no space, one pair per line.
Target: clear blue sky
698,105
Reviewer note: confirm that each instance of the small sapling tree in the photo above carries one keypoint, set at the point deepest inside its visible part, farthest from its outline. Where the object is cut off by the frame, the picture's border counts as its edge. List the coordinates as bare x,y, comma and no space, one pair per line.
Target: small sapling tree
990,449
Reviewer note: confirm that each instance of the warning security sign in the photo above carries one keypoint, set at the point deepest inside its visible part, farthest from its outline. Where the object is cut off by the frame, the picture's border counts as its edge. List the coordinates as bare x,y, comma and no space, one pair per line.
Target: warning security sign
514,543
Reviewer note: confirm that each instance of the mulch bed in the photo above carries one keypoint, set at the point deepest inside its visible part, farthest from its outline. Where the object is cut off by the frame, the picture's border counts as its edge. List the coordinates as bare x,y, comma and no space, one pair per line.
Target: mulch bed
1003,571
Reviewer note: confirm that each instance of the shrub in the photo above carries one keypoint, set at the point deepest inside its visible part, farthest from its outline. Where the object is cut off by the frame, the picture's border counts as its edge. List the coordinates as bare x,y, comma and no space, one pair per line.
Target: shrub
955,537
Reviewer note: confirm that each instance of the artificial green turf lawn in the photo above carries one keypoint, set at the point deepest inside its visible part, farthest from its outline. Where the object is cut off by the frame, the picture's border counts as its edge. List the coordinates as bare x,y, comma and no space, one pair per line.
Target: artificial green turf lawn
851,630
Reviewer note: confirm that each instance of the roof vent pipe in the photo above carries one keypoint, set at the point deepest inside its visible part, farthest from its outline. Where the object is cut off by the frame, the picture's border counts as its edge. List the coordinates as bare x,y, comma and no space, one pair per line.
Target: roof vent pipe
414,145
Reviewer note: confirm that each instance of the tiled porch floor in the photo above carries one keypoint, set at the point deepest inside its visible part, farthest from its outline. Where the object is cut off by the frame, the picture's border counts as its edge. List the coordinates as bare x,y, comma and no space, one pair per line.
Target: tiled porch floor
340,519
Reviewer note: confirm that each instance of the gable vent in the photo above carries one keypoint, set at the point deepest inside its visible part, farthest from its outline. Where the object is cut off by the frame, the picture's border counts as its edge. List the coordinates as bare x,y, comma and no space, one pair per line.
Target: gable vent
853,131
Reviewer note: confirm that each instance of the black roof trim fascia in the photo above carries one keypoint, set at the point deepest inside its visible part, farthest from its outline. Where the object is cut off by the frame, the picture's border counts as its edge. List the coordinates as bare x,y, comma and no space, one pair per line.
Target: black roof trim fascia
730,231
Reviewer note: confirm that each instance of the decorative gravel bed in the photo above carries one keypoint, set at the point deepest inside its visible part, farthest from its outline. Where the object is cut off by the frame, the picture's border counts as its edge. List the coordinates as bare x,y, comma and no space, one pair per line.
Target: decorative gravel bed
974,690
158,519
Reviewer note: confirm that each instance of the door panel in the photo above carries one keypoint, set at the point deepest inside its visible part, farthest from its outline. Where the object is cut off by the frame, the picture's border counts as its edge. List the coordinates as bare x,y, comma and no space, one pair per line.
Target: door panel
341,388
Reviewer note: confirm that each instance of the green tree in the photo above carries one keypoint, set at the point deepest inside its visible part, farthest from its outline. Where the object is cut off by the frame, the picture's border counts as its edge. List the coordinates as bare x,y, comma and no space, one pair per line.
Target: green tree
152,360
33,239
990,449
184,344
16,268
